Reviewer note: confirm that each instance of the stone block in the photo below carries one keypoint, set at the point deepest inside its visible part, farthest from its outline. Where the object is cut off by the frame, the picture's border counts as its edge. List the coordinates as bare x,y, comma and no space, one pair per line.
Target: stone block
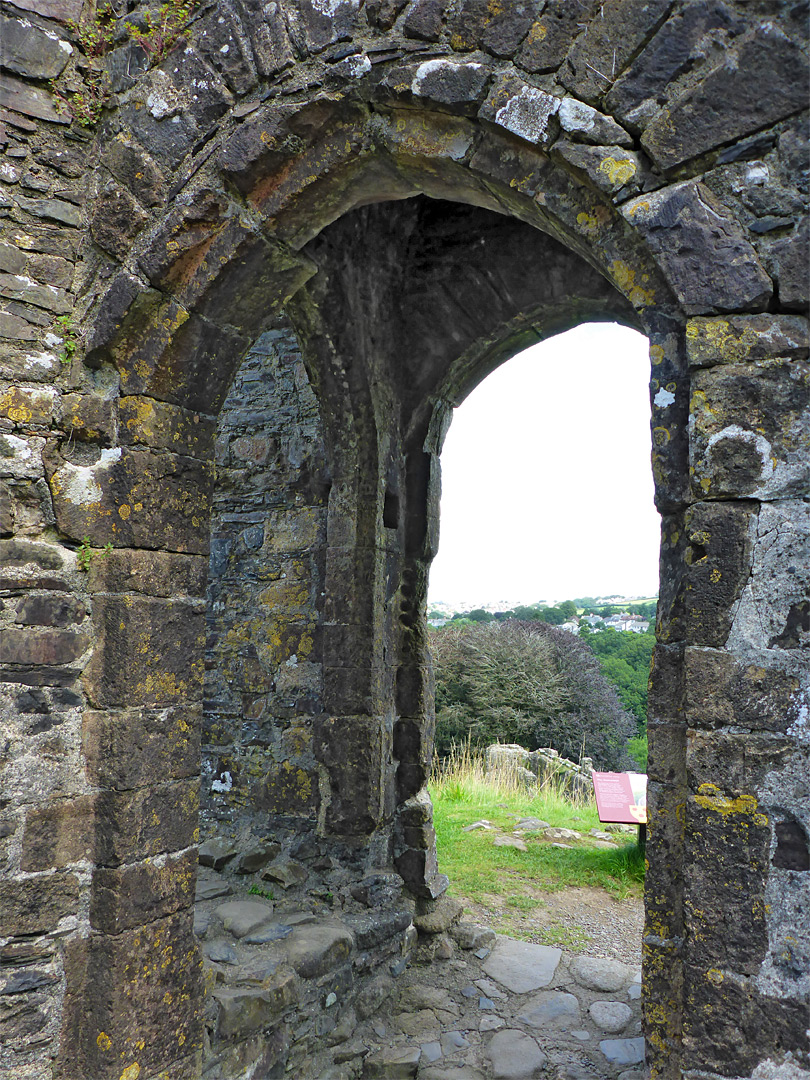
88,418
749,429
59,833
133,748
721,691
132,1001
25,406
424,19
267,29
478,24
726,848
706,561
30,553
37,904
728,104
452,85
522,110
220,41
23,98
549,37
610,168
31,52
116,219
135,170
684,39
738,339
46,647
316,949
146,822
287,788
787,259
126,897
133,499
702,251
241,1011
148,652
607,44
355,777
151,573
145,421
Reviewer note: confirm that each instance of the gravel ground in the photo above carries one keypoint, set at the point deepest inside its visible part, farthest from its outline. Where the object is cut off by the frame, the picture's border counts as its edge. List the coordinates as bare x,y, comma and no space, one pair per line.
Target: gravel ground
578,920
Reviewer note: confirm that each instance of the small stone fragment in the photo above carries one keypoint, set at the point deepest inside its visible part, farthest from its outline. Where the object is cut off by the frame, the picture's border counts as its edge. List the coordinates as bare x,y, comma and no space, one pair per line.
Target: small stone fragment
239,917
521,966
611,1016
220,951
440,916
623,1051
510,841
217,852
514,1055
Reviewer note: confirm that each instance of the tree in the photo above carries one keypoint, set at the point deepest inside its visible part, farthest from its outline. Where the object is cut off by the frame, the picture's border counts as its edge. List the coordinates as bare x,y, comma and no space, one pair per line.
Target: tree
530,683
479,614
625,661
568,609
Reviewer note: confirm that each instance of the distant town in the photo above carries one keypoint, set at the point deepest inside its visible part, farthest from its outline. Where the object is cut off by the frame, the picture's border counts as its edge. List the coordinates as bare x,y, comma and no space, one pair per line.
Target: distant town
584,614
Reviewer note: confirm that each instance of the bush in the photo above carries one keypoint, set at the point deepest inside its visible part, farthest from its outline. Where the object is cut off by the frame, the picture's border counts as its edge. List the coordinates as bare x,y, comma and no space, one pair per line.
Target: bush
529,683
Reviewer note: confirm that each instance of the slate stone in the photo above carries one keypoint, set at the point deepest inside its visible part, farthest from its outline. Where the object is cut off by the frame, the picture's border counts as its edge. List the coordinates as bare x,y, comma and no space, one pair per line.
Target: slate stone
29,51
521,966
788,258
549,37
255,857
522,110
209,888
393,1063
217,852
31,101
681,41
220,951
470,936
728,103
268,932
600,973
702,251
477,24
424,20
551,1009
440,916
610,168
609,42
49,611
623,1051
514,1055
583,123
240,917
36,905
241,1011
315,950
285,872
43,647
449,83
51,209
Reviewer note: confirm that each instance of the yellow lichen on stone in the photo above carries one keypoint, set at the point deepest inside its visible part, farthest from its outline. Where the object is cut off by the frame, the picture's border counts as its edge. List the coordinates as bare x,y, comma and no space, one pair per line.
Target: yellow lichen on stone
710,797
625,279
131,1072
617,170
103,1041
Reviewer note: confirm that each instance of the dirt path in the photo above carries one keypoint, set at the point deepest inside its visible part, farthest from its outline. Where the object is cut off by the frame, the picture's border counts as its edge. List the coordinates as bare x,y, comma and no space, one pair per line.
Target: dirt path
578,920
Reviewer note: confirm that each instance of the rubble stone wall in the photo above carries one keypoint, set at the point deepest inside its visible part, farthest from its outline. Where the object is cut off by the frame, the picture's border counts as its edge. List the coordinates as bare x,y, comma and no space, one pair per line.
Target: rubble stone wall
252,255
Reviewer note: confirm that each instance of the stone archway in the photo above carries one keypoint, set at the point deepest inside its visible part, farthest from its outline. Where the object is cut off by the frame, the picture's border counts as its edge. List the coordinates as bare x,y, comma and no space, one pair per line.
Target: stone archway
227,176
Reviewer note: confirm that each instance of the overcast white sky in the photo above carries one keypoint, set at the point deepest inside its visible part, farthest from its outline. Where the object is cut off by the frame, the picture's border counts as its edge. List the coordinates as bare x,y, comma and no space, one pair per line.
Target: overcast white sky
547,491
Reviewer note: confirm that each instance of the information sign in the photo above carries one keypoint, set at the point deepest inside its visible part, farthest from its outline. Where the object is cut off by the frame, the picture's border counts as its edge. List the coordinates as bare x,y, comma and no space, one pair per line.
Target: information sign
621,797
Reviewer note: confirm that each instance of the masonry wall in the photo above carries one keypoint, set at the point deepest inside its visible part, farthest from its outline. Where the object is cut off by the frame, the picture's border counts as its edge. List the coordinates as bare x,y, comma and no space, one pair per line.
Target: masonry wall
169,192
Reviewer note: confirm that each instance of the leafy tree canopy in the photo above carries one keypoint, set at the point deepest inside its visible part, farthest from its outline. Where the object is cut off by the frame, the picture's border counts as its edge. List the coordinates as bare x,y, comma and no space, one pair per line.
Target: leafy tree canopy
526,682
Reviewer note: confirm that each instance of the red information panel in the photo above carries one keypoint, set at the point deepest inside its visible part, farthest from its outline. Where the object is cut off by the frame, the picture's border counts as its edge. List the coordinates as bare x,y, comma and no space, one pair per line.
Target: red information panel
621,797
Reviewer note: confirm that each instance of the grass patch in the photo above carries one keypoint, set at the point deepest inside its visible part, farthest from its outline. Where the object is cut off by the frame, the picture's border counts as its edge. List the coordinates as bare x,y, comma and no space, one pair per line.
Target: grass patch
514,886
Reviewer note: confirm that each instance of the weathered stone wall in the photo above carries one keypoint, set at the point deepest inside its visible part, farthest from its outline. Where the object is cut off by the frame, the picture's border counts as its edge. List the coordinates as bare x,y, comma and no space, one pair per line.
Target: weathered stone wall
170,195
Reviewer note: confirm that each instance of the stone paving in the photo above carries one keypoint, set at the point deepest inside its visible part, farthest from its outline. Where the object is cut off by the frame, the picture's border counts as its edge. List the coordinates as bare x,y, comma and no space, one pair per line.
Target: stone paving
451,1001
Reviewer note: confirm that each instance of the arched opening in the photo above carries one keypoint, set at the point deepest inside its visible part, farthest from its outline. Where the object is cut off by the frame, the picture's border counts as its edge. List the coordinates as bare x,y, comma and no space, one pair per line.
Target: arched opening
547,497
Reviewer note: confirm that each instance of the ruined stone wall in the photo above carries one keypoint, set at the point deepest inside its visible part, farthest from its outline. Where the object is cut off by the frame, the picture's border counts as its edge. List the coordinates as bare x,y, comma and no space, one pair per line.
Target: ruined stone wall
170,191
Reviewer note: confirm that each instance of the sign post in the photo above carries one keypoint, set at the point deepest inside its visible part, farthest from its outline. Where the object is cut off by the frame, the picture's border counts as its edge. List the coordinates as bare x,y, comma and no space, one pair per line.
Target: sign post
622,798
